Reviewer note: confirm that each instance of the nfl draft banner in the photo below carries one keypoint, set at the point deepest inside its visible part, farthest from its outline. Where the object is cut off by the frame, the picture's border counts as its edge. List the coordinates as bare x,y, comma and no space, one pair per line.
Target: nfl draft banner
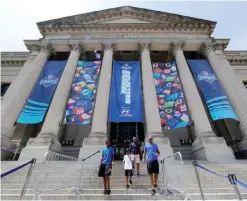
172,108
126,93
213,93
82,96
39,100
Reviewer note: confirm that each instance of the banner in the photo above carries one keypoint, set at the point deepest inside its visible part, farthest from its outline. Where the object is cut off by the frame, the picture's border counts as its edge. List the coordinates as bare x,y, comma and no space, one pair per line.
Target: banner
39,100
172,108
82,96
212,91
126,93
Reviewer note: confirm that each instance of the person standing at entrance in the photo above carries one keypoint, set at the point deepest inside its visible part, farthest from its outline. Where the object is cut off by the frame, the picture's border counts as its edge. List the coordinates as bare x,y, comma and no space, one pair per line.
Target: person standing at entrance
106,166
152,152
135,148
128,165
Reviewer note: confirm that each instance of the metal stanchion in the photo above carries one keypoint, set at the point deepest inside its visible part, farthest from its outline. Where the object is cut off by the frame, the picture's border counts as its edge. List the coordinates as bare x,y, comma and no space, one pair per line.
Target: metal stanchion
27,178
232,178
198,179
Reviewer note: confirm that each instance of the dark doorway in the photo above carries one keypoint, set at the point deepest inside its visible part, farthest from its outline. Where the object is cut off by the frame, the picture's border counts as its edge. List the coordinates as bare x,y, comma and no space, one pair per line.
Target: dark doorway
121,135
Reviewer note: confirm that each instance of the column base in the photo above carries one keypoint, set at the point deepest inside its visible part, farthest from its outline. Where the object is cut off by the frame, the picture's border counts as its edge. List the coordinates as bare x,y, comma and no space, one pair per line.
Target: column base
8,149
212,149
163,144
89,147
243,143
38,147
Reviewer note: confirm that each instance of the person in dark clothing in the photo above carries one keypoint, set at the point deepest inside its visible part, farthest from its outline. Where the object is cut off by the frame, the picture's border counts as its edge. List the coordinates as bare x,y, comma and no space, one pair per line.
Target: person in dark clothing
135,148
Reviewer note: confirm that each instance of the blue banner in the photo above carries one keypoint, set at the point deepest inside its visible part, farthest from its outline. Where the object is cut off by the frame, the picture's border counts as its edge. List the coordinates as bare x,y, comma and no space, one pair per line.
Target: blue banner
212,91
170,97
82,96
39,100
126,94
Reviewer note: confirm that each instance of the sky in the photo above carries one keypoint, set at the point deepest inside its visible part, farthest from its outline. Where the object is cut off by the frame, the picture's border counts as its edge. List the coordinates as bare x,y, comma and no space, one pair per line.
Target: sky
18,18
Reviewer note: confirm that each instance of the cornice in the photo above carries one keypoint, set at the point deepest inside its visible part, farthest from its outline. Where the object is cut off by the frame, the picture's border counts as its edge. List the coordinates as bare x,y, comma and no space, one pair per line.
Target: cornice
123,12
175,28
12,63
236,57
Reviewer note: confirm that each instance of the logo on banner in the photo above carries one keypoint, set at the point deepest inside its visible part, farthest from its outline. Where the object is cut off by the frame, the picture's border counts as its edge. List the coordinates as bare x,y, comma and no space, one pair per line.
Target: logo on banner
204,75
49,81
125,112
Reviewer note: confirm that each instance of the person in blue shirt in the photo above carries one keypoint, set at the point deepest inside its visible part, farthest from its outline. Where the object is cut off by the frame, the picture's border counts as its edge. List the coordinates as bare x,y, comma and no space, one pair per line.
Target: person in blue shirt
151,154
106,166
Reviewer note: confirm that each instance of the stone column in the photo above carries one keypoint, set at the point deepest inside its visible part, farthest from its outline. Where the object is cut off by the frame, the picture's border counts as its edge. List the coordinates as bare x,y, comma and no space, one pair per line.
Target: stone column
96,139
151,109
206,145
48,137
234,87
25,83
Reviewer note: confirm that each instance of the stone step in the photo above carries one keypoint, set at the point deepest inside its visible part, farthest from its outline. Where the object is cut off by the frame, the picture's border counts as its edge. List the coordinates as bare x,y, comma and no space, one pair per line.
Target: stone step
145,196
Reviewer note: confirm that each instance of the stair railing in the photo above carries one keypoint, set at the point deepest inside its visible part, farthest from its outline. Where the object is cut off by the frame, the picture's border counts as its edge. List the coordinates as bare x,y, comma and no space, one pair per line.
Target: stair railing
28,176
174,175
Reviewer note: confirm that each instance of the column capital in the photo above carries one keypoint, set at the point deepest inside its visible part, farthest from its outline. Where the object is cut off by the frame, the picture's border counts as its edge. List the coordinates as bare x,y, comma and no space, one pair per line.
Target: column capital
144,46
108,46
78,47
175,46
33,47
47,48
205,48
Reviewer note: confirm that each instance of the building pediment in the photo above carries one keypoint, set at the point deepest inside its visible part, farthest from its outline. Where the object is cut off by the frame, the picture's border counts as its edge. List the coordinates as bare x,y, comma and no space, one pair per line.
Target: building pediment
126,17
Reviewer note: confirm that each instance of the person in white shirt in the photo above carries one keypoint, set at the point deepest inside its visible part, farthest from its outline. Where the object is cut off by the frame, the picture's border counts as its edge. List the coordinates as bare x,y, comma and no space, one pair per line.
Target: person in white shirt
128,162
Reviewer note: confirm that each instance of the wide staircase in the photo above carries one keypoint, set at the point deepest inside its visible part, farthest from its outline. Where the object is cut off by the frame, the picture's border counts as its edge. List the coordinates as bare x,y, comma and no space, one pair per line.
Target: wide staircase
79,181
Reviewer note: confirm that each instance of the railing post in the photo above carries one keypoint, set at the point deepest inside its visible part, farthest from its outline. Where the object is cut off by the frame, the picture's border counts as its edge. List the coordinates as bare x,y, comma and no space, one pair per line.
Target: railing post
164,175
198,179
232,178
28,178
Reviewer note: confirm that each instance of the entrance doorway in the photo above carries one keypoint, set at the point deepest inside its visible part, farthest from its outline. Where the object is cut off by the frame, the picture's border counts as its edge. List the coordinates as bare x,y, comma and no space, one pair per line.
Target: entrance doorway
121,135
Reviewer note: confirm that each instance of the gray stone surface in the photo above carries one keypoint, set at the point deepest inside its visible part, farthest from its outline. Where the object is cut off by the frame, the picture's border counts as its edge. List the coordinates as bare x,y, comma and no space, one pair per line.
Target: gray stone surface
53,175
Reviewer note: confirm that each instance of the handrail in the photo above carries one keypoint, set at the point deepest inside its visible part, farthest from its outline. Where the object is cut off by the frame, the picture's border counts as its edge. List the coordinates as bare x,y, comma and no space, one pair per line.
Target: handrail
180,155
59,155
84,159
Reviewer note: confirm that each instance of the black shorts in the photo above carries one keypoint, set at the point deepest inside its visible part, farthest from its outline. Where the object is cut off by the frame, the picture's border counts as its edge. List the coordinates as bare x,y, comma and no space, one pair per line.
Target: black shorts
153,167
105,170
128,173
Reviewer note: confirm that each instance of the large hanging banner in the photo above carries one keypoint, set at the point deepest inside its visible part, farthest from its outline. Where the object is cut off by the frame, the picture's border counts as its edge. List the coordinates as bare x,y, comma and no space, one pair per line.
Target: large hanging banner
212,91
126,94
39,100
172,108
82,96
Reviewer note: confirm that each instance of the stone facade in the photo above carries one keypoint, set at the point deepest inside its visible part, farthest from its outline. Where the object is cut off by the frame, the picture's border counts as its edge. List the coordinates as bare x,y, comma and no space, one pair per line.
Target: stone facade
125,31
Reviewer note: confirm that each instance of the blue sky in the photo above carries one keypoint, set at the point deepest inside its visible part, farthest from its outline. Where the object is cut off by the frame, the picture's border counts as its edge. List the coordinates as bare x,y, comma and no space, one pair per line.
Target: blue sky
18,17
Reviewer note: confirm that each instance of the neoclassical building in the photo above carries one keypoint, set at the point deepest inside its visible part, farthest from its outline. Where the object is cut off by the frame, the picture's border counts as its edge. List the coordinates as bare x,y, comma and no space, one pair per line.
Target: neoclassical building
155,41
